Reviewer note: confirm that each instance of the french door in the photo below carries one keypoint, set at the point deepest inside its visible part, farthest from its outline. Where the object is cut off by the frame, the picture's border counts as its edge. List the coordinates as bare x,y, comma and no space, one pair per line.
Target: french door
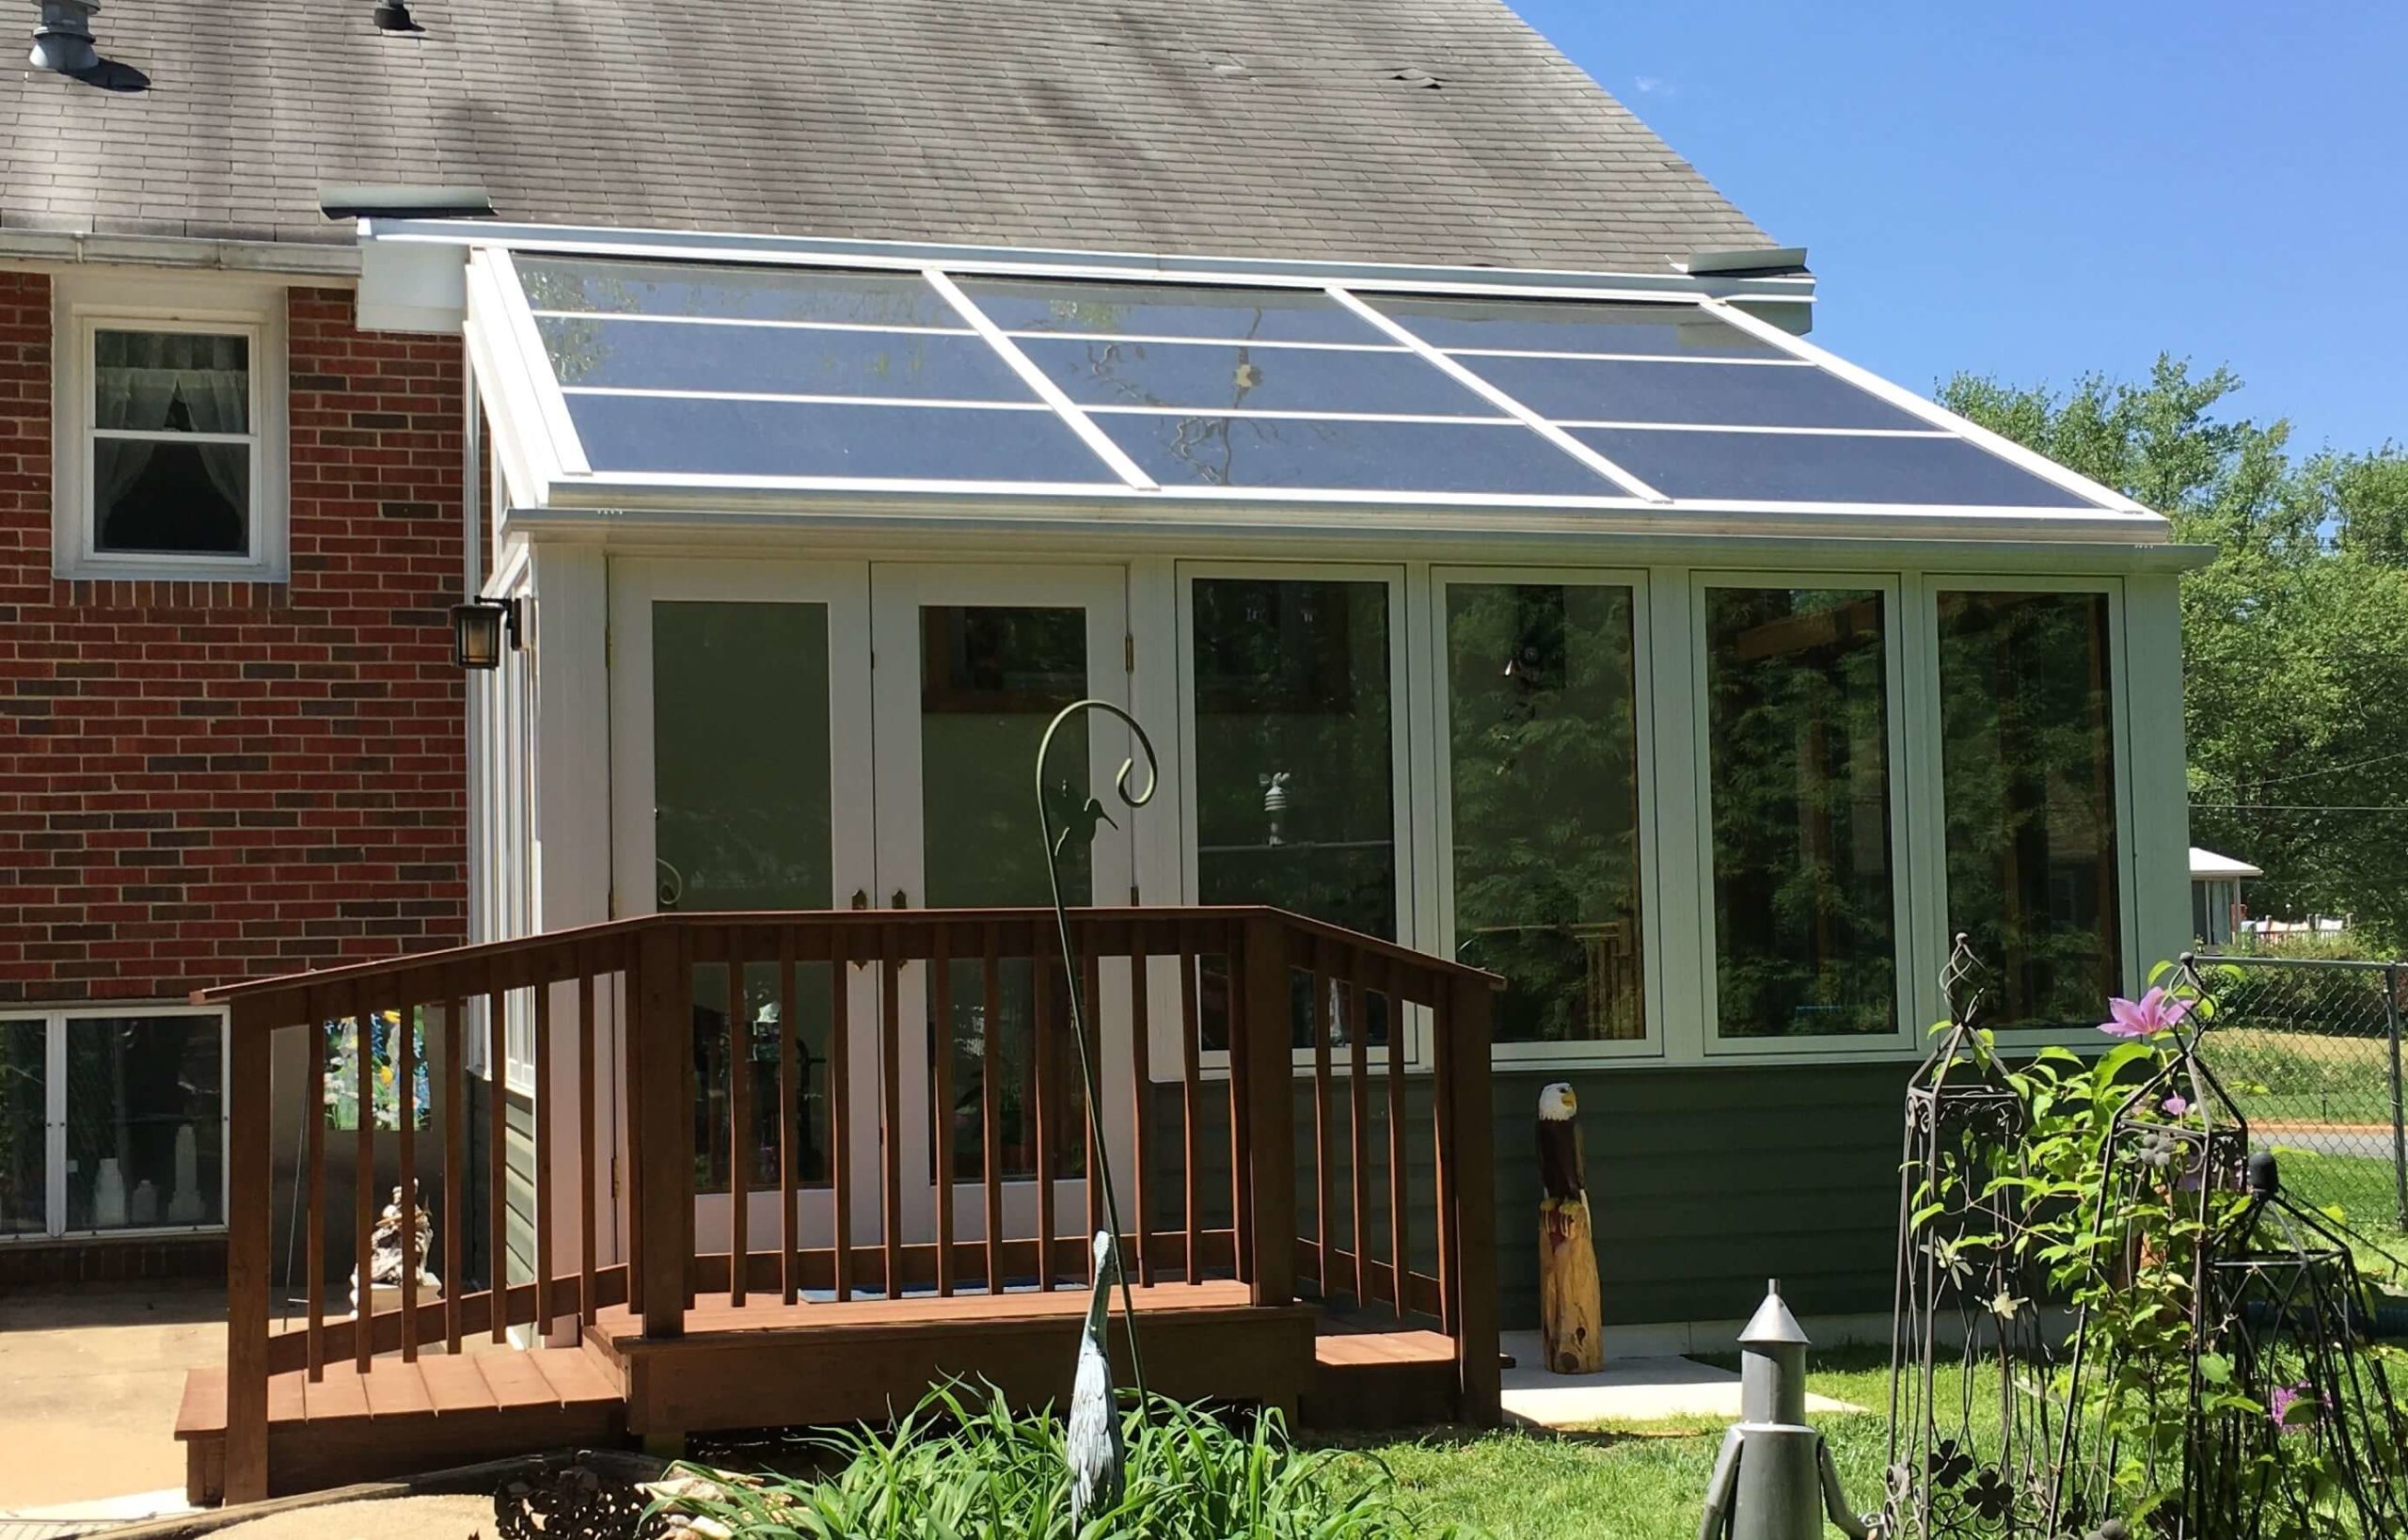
814,736
972,665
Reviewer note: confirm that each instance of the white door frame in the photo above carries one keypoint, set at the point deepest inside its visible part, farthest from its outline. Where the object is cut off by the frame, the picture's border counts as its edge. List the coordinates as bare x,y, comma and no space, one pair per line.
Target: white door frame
898,591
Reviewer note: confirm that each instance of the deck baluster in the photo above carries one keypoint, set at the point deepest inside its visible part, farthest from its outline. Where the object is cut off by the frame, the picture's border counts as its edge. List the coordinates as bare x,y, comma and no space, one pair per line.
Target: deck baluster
1358,1115
544,1261
497,1160
456,1166
890,1102
991,1082
790,1073
939,974
1041,1029
1191,1093
739,1151
840,1102
363,1181
405,1149
313,1119
587,1095
1141,1091
1324,1215
1400,1205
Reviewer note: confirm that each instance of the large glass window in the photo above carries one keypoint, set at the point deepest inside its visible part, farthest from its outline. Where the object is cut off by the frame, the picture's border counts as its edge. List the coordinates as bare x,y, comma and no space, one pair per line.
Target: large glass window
1796,725
145,1122
1542,730
1295,770
2028,779
25,1128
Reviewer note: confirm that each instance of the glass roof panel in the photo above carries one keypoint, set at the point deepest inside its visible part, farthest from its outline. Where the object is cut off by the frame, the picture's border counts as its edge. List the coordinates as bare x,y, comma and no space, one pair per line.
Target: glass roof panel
1550,326
669,289
1739,395
682,434
1291,454
607,352
1158,309
1223,376
1823,467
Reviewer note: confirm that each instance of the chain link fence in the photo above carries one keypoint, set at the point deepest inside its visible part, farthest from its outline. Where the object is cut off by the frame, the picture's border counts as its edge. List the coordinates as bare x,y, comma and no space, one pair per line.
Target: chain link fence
2310,1048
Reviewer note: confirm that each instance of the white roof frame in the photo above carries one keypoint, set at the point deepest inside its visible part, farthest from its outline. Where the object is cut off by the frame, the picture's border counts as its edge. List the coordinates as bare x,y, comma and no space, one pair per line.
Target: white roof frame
555,486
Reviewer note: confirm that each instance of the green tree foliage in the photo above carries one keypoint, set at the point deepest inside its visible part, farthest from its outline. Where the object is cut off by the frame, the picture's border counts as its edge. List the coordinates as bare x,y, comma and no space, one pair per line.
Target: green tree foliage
2295,639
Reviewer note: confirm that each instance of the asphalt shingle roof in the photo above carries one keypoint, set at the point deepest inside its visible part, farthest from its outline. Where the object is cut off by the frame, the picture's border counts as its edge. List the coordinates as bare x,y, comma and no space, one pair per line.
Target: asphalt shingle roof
1260,127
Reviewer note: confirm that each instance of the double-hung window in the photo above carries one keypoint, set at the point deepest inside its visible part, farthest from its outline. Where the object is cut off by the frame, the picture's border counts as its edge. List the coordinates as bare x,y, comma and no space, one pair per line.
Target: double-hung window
170,446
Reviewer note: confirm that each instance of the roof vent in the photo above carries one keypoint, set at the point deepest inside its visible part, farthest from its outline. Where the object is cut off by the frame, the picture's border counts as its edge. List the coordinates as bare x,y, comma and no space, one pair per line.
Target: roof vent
63,42
1418,79
394,16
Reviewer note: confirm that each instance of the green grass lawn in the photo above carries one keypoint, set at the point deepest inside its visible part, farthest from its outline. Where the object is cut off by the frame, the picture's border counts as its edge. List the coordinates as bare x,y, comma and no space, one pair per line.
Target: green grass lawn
1640,1480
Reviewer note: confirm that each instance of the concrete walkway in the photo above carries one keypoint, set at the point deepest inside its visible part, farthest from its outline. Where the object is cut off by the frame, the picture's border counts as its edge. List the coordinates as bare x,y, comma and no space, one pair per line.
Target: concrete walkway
93,1380
1626,1390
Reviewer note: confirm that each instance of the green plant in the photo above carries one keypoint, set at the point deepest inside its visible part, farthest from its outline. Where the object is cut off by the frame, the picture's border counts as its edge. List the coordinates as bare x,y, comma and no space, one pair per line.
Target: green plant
966,1467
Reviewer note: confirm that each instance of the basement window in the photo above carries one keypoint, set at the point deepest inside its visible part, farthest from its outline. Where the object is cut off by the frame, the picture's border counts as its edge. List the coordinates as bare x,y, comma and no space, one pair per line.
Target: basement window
170,459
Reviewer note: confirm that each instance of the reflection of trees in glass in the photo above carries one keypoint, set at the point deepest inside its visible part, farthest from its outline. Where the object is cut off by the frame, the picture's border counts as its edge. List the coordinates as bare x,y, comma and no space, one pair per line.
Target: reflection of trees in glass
1294,754
716,1059
340,1092
24,1111
2028,778
761,293
1797,717
1015,1076
1542,732
740,778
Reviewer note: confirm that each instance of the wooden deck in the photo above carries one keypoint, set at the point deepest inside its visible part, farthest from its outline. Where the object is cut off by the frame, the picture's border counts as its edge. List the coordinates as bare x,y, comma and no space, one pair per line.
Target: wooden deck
765,1366
837,1312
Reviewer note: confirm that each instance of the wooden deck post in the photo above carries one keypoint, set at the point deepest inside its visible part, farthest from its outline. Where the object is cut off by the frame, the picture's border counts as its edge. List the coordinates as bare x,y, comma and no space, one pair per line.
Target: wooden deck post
664,1180
1269,1089
248,1200
1474,1158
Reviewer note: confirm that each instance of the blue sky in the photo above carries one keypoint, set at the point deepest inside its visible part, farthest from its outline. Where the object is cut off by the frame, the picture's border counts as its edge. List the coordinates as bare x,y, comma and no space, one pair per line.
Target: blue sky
2040,190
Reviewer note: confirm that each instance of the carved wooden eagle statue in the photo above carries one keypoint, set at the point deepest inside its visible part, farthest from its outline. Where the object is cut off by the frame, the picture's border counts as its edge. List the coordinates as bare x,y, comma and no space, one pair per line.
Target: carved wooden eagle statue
1559,1153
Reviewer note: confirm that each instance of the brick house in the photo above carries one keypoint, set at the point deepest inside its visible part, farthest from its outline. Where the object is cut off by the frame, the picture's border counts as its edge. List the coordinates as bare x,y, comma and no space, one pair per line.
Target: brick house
253,455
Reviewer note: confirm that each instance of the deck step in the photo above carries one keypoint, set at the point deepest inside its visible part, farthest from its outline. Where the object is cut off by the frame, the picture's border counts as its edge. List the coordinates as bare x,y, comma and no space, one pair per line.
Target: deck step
1381,1379
399,1417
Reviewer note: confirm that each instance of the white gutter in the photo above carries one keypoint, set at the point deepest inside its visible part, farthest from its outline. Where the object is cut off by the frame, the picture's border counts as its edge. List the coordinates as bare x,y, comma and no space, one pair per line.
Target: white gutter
1060,264
298,258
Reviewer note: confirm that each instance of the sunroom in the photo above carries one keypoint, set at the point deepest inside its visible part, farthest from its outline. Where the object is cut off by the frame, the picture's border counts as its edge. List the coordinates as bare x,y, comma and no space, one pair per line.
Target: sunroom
1598,630
1593,630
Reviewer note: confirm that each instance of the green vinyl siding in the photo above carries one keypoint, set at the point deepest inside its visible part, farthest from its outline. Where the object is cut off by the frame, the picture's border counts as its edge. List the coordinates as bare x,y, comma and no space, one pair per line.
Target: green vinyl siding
518,1116
1703,1183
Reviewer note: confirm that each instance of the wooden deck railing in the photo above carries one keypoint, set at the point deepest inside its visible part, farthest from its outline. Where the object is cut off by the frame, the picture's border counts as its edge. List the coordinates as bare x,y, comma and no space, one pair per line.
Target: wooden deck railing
1281,1021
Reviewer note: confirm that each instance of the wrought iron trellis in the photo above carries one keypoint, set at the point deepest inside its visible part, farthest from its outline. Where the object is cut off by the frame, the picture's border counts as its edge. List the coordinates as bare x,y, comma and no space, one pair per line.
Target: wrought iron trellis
1969,1298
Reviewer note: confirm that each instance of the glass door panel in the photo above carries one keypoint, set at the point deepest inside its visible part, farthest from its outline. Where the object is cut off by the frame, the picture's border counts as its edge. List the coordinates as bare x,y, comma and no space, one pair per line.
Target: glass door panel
741,705
972,667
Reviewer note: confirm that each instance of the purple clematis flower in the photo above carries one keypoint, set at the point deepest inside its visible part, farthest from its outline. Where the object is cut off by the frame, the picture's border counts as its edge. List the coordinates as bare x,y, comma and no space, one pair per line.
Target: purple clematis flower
2154,1012
2295,1406
2176,1105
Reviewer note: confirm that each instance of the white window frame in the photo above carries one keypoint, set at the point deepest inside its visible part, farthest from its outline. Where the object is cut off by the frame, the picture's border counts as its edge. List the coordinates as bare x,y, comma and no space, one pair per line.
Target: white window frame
1408,689
57,1022
1523,1055
1905,796
83,304
1932,939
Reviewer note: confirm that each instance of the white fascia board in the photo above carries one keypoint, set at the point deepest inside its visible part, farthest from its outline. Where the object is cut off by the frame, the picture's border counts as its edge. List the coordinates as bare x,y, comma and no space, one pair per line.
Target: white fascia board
703,245
302,262
1931,411
2049,539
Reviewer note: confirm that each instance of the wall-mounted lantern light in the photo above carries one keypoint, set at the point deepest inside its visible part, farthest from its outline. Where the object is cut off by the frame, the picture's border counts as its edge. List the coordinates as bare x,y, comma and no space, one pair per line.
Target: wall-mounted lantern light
480,630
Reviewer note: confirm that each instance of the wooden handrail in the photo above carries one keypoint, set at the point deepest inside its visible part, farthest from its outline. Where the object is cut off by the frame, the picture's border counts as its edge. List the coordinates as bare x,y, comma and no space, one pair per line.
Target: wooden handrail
1236,969
553,957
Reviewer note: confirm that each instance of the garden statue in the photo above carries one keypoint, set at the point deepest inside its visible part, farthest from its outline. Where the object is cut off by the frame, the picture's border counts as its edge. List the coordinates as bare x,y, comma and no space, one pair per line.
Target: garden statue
1093,1442
1569,1303
386,1263
1775,1479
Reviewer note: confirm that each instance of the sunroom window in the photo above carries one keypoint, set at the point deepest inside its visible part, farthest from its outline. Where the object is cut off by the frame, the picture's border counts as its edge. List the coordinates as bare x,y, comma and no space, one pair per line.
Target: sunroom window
1800,818
1543,734
2028,779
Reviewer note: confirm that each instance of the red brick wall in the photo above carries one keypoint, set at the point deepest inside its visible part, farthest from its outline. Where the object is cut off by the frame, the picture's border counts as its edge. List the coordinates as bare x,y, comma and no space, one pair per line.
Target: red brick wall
203,782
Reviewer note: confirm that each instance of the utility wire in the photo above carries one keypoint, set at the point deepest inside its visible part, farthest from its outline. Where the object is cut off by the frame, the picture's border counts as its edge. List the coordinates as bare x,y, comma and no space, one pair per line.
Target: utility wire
2329,770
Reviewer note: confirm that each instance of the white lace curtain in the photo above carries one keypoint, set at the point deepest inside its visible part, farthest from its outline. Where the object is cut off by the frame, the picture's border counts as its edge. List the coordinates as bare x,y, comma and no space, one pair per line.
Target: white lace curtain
171,383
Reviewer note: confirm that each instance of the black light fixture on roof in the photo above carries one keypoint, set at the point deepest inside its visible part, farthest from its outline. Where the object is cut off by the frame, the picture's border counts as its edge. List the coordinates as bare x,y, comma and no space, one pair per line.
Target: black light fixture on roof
394,16
480,630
